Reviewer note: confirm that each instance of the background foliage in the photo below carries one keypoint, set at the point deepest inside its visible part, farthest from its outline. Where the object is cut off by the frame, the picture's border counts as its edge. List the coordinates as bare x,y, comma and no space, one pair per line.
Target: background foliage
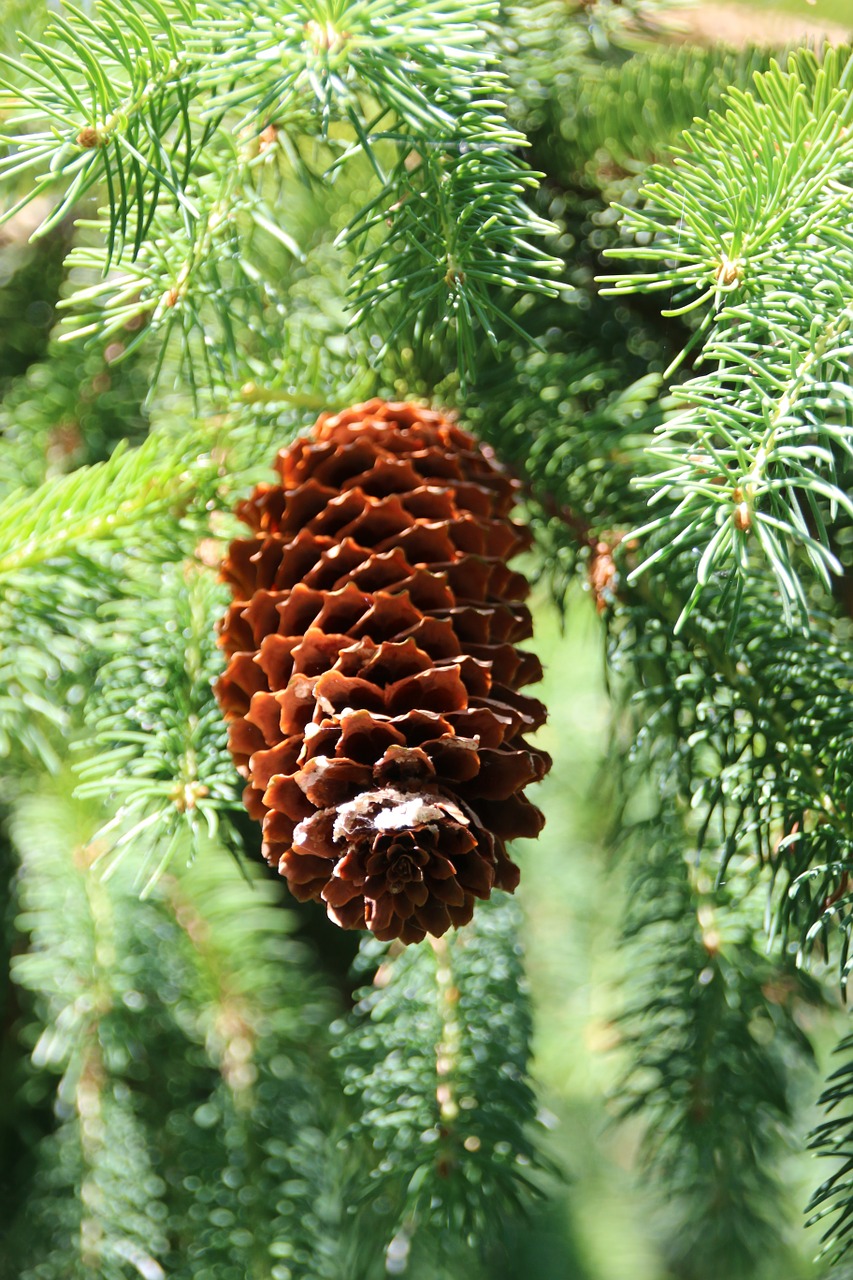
201,1079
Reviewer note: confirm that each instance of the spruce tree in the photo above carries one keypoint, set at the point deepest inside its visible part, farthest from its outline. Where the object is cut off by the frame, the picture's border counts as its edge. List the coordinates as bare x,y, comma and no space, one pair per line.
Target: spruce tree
625,264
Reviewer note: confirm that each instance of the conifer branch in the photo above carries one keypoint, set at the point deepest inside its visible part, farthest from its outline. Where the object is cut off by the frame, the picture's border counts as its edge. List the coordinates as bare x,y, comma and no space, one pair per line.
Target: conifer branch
155,743
56,544
762,768
97,506
180,145
749,724
188,1031
715,1049
116,1215
746,729
261,1010
832,1138
437,1060
751,228
44,634
67,410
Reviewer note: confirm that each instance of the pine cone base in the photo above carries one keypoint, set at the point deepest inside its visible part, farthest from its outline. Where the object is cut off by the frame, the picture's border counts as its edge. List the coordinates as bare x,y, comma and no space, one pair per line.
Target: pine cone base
372,687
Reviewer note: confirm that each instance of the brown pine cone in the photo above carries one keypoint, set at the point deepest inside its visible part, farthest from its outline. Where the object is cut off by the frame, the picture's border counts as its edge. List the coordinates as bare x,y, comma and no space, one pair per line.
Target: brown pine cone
372,683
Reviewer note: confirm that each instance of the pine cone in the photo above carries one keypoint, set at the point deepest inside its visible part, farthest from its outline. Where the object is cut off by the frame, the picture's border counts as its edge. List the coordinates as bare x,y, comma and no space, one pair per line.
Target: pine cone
372,687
